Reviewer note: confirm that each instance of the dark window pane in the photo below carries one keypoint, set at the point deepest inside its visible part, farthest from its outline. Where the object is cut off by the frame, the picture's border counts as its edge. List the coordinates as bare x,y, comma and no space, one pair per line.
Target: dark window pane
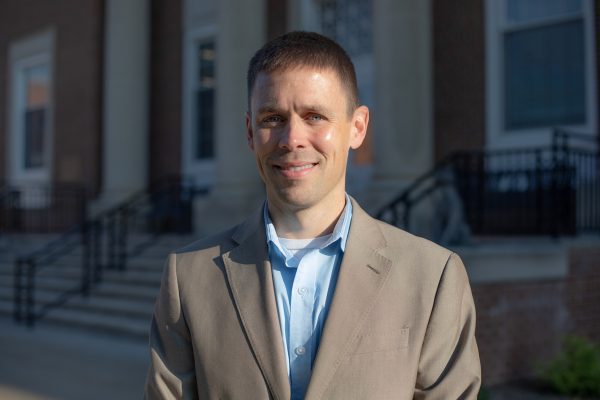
205,102
544,76
529,10
206,64
205,123
34,138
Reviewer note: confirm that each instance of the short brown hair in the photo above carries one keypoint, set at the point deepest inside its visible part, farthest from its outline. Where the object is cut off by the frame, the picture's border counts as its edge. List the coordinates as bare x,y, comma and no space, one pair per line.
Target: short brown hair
308,49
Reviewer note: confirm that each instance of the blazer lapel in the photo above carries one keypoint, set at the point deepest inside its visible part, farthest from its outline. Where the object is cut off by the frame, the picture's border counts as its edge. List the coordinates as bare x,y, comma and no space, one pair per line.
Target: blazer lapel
362,274
249,275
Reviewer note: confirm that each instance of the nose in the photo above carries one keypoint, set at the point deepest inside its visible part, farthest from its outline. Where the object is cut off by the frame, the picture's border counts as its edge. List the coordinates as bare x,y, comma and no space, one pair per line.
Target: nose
293,135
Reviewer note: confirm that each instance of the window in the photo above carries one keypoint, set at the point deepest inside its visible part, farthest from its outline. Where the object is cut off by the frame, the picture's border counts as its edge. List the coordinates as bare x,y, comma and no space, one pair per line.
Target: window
205,101
544,74
31,108
349,23
199,145
540,66
34,113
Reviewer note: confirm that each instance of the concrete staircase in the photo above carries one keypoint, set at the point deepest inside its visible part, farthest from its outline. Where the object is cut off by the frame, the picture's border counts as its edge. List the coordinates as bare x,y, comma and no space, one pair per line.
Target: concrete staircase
121,305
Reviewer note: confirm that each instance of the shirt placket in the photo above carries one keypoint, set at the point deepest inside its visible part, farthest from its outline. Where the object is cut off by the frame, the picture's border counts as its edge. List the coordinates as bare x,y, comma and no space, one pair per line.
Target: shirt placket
301,326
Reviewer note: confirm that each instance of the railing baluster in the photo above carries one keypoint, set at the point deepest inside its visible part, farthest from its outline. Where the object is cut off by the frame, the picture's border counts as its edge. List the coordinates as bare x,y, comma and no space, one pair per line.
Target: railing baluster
18,291
112,240
30,290
97,249
86,255
539,196
122,238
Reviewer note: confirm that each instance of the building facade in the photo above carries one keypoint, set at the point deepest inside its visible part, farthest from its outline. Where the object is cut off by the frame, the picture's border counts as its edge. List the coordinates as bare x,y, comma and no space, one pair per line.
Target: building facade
114,95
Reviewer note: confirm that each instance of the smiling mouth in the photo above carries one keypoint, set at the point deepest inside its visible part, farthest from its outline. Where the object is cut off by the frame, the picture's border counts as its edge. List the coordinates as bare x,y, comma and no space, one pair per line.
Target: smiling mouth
296,168
295,171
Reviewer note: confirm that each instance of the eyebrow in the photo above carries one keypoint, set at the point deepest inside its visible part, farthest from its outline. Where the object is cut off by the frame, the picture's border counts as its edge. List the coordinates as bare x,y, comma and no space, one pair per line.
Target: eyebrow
267,109
270,108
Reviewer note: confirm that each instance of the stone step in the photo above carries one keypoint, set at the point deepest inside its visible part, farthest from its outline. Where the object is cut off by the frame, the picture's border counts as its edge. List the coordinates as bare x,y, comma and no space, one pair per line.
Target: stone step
134,326
116,290
121,304
135,308
117,325
135,278
126,291
144,274
6,309
109,306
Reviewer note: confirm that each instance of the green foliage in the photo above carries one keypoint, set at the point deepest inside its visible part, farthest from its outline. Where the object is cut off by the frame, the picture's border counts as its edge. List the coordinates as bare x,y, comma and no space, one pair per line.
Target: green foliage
576,369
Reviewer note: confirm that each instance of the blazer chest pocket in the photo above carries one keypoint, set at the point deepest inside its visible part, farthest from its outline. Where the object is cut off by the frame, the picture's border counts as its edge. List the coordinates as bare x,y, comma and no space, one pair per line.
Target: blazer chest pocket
373,342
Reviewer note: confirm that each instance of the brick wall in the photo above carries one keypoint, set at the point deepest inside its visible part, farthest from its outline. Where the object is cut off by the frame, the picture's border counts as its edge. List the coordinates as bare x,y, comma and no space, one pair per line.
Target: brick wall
77,81
458,76
521,324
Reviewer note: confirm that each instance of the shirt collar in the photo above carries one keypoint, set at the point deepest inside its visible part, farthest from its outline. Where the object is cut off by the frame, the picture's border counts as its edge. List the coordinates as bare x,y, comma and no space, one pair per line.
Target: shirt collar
340,231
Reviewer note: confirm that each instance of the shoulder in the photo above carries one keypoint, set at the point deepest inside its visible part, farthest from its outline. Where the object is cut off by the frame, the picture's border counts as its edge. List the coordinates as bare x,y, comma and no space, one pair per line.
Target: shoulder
409,254
205,254
409,244
215,242
420,256
392,239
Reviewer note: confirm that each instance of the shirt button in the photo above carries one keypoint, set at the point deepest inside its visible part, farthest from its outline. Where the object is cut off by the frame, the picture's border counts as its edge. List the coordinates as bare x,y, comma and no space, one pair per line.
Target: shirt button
300,351
302,291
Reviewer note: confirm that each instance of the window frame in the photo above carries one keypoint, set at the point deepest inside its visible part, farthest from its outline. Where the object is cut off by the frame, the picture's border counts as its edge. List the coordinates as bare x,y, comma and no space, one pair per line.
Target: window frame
497,136
202,171
31,51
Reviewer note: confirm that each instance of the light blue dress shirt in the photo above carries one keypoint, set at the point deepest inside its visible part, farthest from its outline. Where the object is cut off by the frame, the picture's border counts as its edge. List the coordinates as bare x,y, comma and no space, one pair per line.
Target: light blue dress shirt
304,283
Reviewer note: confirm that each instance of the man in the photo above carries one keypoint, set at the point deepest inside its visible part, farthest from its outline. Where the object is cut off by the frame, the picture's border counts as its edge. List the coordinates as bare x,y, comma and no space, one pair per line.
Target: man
310,297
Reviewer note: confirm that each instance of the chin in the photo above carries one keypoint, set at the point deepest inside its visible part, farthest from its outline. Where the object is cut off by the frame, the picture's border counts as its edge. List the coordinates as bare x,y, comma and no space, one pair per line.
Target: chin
296,199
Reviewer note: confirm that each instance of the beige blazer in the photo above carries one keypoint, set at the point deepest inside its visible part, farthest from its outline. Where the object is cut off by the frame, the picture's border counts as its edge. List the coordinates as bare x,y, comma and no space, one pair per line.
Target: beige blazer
401,324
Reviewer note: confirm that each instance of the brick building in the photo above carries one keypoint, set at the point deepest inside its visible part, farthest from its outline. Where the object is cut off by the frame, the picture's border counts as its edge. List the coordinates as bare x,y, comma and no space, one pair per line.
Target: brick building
114,95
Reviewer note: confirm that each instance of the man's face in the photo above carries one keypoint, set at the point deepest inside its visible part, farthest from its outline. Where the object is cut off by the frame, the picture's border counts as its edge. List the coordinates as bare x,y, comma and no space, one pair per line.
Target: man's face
300,131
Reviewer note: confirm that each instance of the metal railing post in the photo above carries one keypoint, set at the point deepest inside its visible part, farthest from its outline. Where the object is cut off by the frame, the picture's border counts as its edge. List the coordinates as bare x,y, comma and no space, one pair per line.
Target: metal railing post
97,231
122,238
112,240
85,262
539,197
18,292
30,300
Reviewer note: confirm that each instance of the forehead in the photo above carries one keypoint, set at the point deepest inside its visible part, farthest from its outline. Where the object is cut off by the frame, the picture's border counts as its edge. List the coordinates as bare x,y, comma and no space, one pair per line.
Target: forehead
305,81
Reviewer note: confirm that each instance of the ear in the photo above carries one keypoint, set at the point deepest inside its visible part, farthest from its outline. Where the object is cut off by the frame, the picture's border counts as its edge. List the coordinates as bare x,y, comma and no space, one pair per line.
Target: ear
360,123
249,131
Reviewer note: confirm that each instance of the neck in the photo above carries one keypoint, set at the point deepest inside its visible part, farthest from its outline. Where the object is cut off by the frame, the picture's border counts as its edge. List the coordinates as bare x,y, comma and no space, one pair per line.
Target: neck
306,223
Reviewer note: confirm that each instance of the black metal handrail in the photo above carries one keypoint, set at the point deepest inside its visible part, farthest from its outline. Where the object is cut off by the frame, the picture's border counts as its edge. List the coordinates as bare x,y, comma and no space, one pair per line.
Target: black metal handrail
106,242
551,190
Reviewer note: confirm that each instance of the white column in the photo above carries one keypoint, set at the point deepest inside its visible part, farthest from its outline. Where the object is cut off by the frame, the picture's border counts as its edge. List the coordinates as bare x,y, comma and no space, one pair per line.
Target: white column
402,124
125,132
241,30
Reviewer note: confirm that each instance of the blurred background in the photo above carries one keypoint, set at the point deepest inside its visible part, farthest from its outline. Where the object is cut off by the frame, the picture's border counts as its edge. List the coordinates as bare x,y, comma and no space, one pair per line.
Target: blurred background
122,137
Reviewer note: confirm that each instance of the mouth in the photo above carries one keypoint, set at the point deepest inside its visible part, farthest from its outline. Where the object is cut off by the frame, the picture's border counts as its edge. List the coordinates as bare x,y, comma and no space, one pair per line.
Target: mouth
295,170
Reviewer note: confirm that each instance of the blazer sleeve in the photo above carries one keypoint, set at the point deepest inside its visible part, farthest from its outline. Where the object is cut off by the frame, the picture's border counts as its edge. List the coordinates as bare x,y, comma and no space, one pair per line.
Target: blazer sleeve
171,373
449,366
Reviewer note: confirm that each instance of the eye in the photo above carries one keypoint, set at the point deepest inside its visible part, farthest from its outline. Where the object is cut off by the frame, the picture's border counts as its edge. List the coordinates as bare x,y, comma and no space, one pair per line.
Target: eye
315,117
272,119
